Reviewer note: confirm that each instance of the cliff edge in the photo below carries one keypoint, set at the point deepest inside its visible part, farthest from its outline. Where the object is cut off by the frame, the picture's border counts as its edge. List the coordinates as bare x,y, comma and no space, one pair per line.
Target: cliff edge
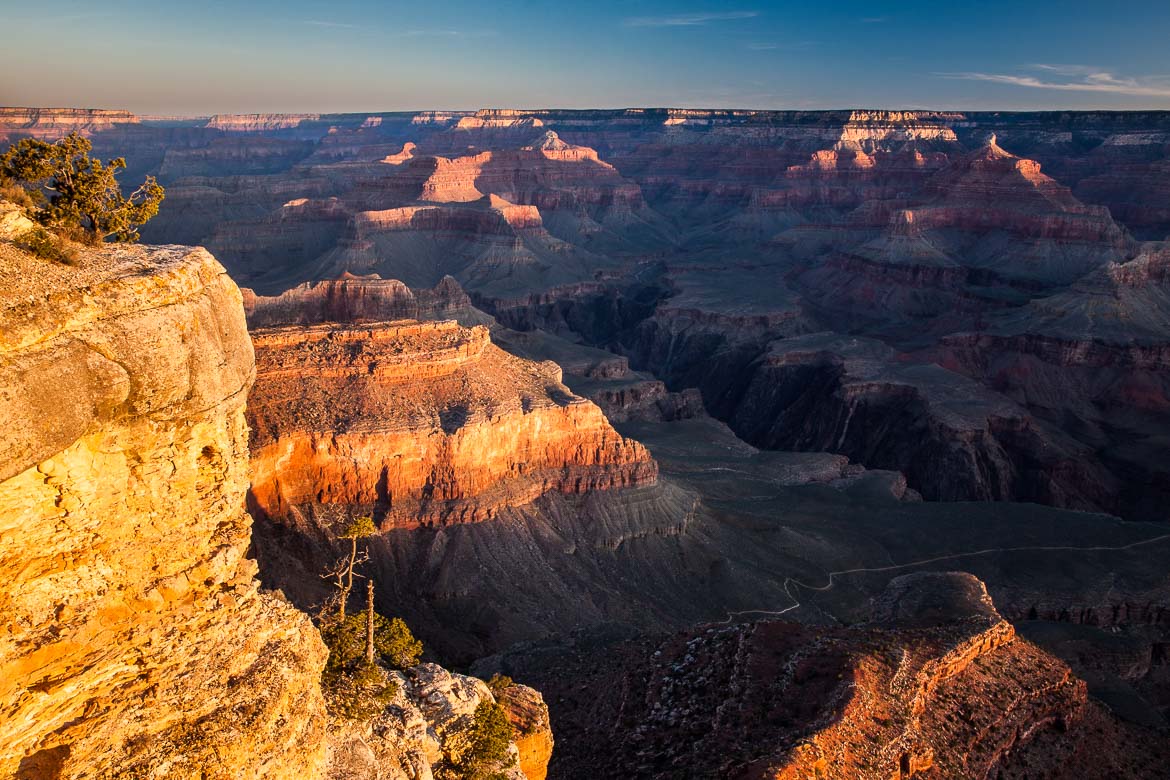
136,642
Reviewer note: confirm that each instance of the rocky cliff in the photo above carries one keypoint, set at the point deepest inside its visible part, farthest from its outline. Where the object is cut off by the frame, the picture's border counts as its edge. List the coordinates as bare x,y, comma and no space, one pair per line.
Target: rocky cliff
53,123
360,299
935,685
428,720
137,643
421,423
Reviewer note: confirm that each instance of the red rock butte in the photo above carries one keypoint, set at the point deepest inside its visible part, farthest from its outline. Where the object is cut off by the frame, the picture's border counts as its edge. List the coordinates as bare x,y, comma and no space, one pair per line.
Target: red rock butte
421,423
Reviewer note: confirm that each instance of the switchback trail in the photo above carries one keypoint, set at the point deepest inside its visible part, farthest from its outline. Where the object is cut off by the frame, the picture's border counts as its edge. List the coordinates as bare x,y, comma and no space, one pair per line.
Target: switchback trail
790,581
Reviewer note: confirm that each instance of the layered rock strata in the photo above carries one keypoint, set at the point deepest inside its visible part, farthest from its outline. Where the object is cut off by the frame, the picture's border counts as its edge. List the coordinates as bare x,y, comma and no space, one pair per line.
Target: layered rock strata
421,423
936,685
358,299
954,439
54,123
136,642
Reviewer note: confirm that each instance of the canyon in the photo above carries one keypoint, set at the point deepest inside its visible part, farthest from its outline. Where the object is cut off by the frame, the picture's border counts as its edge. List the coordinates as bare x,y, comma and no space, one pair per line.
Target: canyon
138,641
762,444
936,684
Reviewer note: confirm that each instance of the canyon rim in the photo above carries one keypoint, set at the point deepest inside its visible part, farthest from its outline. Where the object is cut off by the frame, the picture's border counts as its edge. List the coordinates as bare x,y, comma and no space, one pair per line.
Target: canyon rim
787,442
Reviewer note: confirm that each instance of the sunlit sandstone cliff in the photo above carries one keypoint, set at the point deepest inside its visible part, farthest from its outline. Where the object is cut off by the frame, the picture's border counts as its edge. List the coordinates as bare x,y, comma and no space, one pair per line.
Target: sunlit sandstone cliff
135,641
421,422
360,299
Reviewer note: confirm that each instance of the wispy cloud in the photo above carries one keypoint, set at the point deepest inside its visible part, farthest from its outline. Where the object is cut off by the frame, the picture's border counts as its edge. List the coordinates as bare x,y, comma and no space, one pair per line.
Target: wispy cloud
438,33
872,19
319,23
1074,78
688,20
1065,70
446,33
765,46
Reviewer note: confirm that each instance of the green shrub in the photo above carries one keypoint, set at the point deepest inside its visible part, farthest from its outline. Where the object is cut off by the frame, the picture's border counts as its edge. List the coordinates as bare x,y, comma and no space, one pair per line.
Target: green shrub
478,754
491,733
359,693
14,193
393,642
499,682
46,246
357,689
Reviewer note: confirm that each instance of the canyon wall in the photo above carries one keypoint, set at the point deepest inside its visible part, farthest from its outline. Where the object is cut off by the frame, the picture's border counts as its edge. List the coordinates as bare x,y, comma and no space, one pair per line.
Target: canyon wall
935,685
421,423
54,123
136,641
360,299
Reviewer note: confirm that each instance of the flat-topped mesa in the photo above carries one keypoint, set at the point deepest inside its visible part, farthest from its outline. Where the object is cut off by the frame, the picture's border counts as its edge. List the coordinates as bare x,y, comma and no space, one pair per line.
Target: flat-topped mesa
473,221
881,116
548,173
519,217
418,423
356,299
256,123
437,117
49,124
136,642
502,118
872,130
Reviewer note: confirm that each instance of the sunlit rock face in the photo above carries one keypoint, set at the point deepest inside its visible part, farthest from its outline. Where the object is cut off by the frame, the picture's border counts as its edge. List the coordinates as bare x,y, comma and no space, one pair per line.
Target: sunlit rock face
431,717
421,423
54,123
136,642
690,240
935,685
359,299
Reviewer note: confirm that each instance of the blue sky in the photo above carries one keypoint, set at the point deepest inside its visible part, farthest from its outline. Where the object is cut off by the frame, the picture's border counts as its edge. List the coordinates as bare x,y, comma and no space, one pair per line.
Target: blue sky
356,55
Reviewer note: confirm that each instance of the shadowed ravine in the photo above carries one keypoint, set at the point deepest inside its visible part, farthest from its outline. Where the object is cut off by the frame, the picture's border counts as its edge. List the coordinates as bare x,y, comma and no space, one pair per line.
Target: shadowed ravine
831,576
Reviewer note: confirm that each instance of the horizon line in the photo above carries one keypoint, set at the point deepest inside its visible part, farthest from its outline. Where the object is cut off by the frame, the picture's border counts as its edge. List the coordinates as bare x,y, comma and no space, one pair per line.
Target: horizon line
612,109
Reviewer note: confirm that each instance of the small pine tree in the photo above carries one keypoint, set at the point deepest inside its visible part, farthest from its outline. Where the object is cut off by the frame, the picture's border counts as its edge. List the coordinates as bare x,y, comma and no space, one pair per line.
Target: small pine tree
491,733
342,572
46,246
358,688
394,643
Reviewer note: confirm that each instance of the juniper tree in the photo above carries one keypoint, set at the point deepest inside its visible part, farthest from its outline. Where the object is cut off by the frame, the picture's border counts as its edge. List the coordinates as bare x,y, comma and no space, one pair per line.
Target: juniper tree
74,192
